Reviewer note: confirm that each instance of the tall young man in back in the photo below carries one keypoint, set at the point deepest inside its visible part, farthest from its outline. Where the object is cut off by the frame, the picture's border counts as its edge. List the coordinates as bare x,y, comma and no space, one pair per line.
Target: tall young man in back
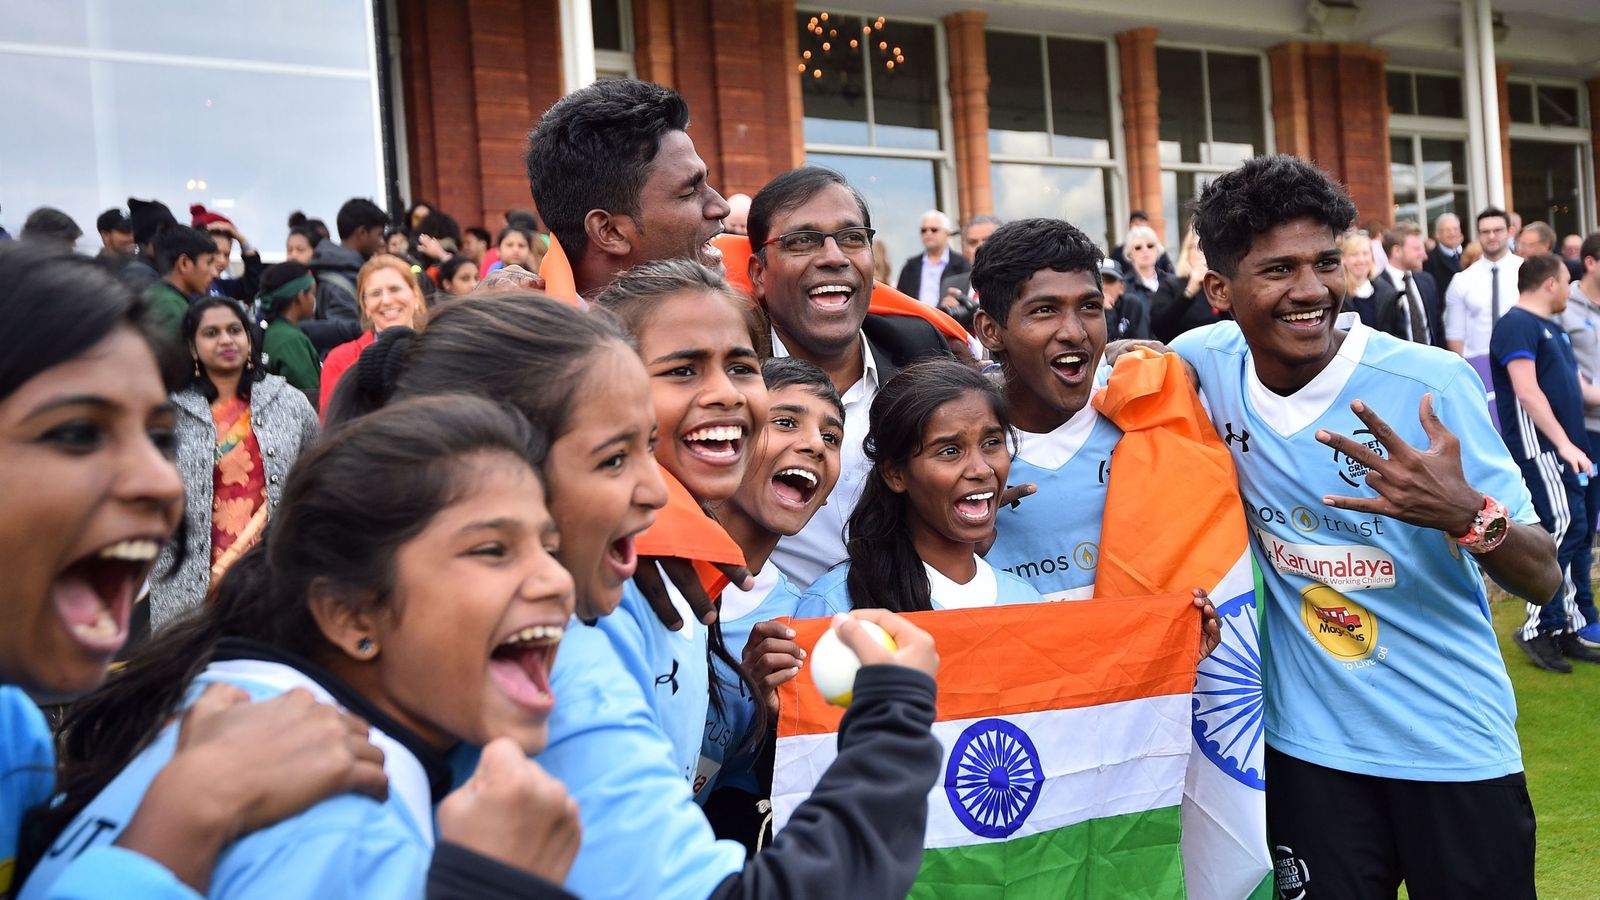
617,181
1377,489
1541,401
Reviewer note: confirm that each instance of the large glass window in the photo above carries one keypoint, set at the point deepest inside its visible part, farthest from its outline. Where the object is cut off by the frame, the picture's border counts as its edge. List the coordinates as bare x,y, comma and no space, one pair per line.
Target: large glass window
127,100
1546,178
1213,117
1534,103
870,82
1050,132
1429,177
873,111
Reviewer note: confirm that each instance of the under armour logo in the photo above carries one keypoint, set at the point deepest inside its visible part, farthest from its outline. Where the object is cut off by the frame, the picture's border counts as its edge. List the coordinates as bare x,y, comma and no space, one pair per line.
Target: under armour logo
1242,439
669,678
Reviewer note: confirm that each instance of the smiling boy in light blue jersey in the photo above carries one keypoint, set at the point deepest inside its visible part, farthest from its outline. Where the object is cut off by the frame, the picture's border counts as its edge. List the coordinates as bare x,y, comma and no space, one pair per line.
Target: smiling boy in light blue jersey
1377,489
792,472
1043,317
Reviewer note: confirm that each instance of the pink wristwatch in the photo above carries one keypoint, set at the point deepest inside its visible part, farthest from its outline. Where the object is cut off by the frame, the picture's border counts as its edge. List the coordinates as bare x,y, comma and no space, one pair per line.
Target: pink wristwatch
1488,529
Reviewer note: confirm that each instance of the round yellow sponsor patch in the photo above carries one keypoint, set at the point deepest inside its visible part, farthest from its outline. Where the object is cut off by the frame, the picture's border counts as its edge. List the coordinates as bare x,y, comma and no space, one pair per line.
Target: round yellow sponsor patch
1342,626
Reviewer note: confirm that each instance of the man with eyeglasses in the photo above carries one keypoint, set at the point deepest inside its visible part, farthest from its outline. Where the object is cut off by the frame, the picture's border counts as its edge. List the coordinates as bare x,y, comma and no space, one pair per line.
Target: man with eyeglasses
1483,291
811,269
922,274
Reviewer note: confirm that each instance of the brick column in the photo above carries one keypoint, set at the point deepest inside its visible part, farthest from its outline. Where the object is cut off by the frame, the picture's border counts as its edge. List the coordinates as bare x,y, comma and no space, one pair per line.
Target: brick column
653,54
1501,70
1330,106
1141,122
1290,120
969,110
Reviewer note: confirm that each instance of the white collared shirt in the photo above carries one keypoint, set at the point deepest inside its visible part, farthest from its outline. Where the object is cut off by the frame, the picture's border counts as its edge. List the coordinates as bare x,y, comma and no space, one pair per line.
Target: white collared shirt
805,556
932,273
1468,315
1397,278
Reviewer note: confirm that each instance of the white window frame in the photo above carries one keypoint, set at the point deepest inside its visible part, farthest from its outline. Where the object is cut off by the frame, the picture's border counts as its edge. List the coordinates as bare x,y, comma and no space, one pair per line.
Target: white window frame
1419,128
1116,168
943,157
618,63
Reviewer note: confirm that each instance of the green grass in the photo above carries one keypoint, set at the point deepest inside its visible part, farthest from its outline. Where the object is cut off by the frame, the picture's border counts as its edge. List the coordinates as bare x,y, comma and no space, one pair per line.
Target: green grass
1558,718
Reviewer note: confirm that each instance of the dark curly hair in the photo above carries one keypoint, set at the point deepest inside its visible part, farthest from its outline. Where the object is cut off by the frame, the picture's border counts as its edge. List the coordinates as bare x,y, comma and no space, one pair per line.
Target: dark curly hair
1016,251
1260,195
593,149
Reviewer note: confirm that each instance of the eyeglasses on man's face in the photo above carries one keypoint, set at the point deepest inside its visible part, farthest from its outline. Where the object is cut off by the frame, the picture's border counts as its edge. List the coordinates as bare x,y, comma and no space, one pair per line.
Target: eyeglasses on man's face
850,240
926,229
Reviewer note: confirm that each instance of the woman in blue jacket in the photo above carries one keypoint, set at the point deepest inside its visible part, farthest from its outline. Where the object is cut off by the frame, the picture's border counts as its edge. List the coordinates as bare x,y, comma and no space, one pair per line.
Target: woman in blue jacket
408,577
940,446
88,495
643,834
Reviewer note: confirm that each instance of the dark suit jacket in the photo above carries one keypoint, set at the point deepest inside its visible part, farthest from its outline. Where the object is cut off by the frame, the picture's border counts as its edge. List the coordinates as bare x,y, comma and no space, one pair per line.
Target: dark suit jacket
910,282
1171,313
1380,310
899,341
1388,311
1443,267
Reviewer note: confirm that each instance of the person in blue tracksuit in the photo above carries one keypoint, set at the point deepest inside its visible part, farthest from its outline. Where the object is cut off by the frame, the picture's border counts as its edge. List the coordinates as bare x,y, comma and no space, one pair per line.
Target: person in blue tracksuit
794,469
643,835
407,578
87,496
939,441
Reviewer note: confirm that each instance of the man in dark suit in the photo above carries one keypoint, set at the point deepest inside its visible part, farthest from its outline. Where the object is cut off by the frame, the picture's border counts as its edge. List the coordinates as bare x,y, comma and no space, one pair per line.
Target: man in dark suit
955,289
921,275
816,293
1415,309
1444,260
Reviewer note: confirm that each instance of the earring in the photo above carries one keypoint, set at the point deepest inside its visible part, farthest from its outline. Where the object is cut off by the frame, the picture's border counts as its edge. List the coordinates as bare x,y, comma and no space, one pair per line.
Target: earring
365,647
249,364
197,367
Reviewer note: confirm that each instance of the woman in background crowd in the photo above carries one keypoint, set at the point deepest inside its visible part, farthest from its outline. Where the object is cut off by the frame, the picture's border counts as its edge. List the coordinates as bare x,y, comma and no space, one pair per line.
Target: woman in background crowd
239,430
389,294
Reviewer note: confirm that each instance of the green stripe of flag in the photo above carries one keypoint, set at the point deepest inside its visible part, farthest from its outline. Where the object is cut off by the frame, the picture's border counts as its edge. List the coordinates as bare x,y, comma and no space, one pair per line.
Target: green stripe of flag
1135,855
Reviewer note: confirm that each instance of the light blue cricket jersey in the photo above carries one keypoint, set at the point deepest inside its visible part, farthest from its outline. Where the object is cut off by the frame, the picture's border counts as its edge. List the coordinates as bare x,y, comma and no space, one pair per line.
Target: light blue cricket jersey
27,776
669,667
1380,654
773,597
27,770
830,594
346,846
643,835
1052,539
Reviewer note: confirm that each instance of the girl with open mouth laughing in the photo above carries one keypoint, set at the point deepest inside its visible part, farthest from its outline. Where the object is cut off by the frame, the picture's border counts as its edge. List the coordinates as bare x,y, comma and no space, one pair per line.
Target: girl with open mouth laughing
939,442
643,836
408,577
88,495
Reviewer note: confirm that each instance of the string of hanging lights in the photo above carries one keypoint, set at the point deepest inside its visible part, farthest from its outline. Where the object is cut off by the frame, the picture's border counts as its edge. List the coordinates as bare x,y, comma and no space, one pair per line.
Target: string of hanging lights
824,29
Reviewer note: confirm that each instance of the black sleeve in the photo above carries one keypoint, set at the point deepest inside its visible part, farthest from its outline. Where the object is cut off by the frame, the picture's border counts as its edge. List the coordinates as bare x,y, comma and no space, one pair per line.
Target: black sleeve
861,832
1138,319
251,279
1169,308
326,334
460,874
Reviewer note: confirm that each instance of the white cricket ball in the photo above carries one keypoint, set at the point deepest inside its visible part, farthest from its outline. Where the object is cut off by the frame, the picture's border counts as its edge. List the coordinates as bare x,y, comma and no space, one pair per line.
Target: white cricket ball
834,665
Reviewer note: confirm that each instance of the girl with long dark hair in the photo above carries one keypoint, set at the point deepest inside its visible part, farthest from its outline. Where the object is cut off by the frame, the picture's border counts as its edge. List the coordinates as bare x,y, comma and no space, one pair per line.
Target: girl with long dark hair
940,446
239,431
576,374
87,496
408,578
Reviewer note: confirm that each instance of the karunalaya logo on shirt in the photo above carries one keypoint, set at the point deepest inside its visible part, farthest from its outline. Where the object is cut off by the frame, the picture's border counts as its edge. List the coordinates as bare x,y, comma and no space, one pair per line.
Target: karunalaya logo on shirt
1348,567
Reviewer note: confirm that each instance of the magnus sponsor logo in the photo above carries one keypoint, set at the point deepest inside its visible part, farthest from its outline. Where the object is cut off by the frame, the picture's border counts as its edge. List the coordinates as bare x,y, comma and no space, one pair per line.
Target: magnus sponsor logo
1348,567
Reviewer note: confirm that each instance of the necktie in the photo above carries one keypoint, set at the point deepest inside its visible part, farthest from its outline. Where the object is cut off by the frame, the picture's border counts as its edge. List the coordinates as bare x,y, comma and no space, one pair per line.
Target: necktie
1419,322
1494,294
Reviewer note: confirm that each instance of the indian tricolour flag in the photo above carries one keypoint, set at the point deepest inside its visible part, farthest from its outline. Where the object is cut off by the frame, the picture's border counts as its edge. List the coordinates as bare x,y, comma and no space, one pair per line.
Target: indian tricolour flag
1067,733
